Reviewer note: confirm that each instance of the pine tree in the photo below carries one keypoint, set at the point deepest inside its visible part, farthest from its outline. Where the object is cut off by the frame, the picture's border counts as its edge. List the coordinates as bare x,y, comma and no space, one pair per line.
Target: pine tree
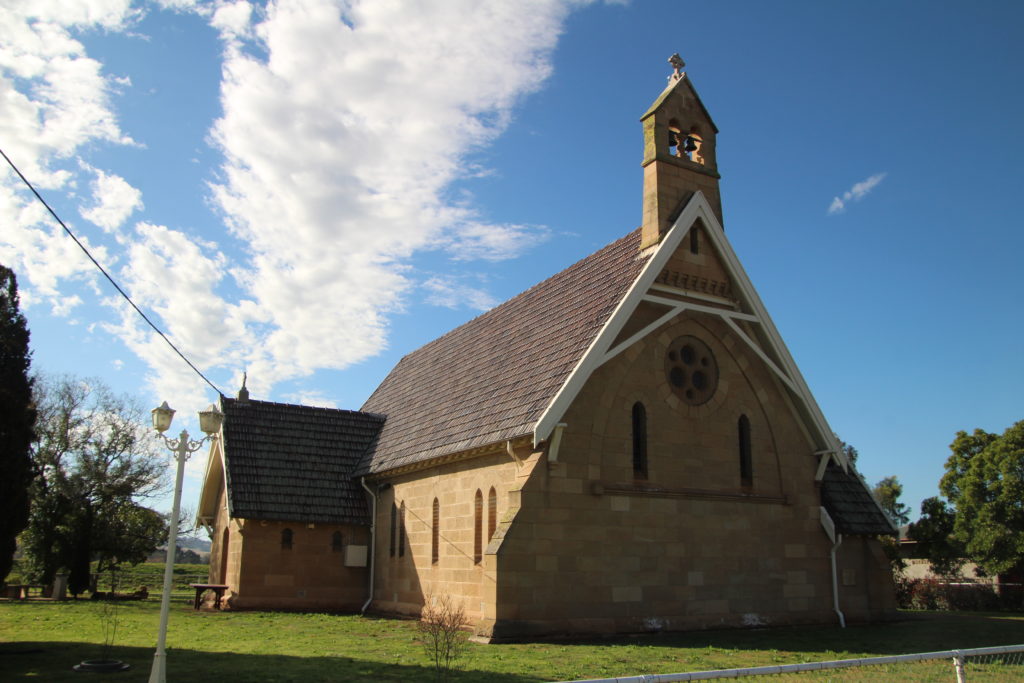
17,420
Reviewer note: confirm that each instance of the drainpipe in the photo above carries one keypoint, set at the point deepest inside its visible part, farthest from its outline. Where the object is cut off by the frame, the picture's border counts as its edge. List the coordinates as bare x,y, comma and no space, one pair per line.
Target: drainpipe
373,542
835,583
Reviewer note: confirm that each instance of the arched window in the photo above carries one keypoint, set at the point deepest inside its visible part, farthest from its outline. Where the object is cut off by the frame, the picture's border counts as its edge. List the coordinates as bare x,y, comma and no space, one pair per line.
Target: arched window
224,543
492,514
639,440
394,530
401,530
746,461
336,542
286,539
478,528
435,534
694,240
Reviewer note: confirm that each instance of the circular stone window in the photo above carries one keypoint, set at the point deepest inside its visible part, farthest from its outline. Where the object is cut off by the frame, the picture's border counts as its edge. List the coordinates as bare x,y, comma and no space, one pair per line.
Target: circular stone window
692,370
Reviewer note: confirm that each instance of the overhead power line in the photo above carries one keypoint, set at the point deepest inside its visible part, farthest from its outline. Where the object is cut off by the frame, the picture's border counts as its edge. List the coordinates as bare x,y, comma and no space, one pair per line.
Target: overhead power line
107,275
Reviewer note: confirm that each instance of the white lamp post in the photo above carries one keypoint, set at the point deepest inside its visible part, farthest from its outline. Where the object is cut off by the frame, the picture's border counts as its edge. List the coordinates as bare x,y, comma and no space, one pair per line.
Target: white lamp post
210,421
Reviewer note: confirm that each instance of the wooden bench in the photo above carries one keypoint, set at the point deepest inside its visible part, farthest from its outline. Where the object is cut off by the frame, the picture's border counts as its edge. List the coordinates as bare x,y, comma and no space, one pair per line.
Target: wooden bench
22,591
218,592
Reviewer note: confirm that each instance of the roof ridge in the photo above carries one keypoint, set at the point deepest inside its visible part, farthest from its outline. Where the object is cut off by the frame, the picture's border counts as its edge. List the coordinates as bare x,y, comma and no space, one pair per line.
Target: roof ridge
300,406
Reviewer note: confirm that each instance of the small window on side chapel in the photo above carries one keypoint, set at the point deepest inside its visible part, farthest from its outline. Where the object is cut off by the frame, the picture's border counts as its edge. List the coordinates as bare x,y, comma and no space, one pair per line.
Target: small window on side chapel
746,461
435,534
639,440
336,542
286,539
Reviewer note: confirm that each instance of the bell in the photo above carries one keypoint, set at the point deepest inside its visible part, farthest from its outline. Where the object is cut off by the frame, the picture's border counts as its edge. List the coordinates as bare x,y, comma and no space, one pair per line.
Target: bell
690,145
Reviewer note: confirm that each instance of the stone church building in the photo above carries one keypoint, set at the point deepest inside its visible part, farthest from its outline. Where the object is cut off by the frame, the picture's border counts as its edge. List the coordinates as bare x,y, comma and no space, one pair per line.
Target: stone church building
627,446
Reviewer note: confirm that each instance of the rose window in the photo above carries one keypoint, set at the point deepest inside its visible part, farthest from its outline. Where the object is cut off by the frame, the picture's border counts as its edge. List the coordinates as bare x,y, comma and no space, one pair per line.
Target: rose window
692,370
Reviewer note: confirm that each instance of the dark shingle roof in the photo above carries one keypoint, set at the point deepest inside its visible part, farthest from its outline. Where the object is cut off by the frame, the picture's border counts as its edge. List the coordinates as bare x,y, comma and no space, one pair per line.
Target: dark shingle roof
491,379
848,502
290,462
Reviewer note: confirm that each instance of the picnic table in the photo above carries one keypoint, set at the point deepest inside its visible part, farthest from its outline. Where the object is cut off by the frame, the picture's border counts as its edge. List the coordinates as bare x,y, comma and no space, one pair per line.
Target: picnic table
218,592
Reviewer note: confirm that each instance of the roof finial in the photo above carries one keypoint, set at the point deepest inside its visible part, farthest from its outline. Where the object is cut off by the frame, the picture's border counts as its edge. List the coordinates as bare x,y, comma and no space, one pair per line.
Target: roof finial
677,63
243,393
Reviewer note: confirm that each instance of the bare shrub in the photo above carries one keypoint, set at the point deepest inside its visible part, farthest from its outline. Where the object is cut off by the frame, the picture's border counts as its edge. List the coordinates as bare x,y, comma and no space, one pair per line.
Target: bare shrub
441,634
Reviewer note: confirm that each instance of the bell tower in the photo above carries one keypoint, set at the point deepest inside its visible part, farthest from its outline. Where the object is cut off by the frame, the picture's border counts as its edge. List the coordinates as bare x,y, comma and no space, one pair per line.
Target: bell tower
679,155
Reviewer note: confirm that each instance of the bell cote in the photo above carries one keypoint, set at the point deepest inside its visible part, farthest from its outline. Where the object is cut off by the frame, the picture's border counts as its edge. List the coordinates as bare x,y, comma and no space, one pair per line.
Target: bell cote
679,155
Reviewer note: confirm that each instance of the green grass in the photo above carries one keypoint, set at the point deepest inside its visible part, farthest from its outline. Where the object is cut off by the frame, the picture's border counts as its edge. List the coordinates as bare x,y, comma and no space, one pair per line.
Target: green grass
43,640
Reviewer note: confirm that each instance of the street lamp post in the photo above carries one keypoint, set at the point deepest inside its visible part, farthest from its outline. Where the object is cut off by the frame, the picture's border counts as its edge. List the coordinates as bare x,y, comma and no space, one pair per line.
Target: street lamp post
210,421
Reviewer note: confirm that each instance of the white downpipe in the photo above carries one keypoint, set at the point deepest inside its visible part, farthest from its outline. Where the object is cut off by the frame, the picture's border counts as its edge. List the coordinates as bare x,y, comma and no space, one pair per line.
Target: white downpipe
835,582
373,540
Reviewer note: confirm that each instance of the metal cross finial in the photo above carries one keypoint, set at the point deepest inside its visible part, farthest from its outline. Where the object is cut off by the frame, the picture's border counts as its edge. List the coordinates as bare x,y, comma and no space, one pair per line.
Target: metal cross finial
677,63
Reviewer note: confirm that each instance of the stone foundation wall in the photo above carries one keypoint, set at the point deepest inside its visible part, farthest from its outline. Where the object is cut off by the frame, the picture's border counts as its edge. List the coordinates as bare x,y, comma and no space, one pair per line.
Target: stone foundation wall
310,575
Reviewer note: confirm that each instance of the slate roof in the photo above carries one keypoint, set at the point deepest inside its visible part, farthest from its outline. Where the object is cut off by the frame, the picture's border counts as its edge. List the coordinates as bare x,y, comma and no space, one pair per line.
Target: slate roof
491,379
851,506
295,463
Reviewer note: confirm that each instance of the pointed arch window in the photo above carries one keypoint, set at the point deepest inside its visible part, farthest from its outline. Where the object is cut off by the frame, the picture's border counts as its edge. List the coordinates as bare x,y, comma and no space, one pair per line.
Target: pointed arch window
286,539
492,513
746,458
694,240
478,527
394,529
639,440
435,533
336,544
224,544
401,530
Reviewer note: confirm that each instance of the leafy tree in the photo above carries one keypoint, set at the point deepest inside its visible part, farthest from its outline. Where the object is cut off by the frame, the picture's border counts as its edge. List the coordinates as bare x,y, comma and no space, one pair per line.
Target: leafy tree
933,532
96,461
984,481
887,492
17,419
849,451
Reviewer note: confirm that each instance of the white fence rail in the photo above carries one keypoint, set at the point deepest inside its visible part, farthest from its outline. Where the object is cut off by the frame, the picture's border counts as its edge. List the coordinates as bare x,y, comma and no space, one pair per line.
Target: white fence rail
1006,655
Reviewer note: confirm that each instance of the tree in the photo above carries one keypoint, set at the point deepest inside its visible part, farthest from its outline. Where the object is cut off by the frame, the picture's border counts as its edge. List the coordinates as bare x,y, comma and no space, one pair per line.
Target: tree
96,461
441,633
17,419
933,532
984,482
887,492
849,451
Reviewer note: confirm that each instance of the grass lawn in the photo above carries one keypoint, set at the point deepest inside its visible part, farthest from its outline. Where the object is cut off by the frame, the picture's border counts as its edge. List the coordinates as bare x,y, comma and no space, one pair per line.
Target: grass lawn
43,640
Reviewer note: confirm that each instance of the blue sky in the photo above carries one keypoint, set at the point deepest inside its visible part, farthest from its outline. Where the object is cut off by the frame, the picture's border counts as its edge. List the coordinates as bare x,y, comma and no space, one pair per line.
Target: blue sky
310,190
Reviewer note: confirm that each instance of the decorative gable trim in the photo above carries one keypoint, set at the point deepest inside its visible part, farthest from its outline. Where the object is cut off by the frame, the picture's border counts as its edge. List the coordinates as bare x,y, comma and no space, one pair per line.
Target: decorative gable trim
214,478
769,345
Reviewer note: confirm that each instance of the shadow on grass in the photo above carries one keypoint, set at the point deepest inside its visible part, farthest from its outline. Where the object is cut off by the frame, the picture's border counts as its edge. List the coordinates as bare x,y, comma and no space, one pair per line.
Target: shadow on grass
52,661
910,632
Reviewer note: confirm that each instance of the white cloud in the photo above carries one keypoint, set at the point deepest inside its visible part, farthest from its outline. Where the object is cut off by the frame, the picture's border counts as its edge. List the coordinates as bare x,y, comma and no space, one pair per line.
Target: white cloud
114,200
54,99
449,292
344,126
311,398
232,19
373,117
855,193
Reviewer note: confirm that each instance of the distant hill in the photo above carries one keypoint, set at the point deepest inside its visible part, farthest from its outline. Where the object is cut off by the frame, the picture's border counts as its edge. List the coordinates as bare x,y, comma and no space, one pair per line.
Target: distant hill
197,544
190,550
